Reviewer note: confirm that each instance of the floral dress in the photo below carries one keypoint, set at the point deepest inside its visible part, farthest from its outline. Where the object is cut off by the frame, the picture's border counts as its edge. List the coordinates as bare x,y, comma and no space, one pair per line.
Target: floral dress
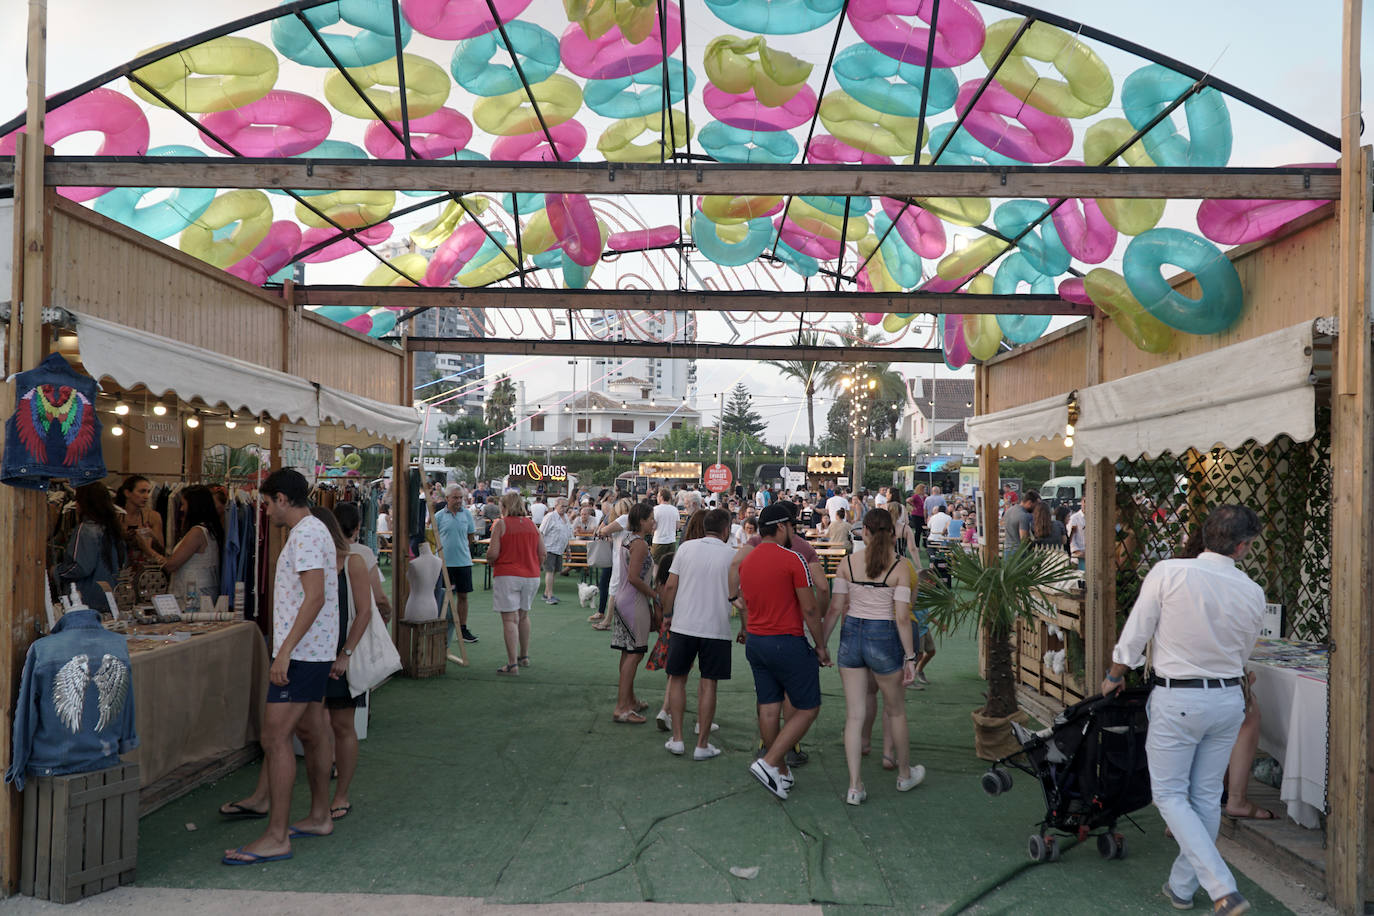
630,622
658,656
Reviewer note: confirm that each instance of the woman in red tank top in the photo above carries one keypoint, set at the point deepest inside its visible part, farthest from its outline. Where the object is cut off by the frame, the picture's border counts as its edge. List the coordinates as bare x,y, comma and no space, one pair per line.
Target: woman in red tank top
515,551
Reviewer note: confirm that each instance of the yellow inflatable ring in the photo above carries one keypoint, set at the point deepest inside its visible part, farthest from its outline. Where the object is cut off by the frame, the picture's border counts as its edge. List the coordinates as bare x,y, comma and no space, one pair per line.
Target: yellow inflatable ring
775,77
427,88
866,128
723,209
511,114
1127,216
1109,292
234,71
979,253
251,210
411,264
617,146
350,209
1087,86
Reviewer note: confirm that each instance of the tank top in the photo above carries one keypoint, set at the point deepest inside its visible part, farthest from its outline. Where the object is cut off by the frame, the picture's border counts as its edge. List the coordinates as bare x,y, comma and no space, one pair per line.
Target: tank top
519,549
872,600
202,569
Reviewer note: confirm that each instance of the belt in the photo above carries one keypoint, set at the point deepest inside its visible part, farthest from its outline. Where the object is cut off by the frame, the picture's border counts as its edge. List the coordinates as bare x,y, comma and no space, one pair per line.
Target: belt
1211,682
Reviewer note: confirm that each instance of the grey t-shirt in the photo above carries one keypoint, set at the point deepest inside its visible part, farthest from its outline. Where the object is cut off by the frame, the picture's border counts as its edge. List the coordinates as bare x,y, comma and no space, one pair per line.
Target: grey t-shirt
1015,525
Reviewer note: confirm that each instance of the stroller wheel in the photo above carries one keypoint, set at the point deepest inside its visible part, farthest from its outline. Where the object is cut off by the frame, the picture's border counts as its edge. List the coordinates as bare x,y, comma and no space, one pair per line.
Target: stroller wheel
1120,846
1107,846
1052,849
1036,849
1005,778
991,783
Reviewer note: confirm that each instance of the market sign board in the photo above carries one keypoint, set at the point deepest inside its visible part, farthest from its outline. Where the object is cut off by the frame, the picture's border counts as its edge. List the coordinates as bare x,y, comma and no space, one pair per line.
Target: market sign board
718,478
825,465
162,433
536,472
671,470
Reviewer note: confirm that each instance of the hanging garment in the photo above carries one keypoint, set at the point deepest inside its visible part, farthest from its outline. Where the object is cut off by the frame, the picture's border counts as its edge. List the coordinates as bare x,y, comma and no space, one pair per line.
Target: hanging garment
76,701
54,431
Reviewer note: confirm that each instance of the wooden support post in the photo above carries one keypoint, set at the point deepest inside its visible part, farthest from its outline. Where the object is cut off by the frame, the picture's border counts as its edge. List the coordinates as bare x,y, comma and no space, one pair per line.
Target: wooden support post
400,516
1348,846
1099,497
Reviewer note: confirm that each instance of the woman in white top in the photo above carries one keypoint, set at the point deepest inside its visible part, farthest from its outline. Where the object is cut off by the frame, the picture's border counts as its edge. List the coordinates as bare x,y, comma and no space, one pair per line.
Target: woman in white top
194,561
872,591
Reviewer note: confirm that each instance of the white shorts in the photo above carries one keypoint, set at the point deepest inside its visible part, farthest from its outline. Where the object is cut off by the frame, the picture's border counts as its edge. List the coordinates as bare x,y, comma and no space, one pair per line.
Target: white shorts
513,593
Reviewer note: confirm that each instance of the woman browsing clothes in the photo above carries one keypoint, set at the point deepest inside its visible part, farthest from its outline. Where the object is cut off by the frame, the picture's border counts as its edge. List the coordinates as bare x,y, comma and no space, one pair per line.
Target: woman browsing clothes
194,562
95,551
139,518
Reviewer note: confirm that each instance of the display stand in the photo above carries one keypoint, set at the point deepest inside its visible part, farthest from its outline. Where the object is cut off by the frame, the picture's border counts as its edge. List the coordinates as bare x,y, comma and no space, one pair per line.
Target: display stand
80,834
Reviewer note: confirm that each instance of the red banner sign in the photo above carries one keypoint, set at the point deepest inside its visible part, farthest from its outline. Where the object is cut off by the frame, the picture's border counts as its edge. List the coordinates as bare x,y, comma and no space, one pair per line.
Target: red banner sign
718,478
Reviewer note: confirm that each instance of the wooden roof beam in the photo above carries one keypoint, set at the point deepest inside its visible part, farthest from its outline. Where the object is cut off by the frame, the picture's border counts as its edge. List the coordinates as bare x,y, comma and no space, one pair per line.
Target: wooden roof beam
629,178
632,349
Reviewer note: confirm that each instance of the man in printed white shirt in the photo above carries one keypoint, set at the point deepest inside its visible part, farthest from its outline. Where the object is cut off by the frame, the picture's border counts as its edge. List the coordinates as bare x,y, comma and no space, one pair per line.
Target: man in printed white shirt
1204,616
305,639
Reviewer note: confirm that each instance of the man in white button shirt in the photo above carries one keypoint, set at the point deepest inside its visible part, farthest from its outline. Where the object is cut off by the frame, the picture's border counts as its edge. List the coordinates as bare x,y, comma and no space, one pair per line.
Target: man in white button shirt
1204,616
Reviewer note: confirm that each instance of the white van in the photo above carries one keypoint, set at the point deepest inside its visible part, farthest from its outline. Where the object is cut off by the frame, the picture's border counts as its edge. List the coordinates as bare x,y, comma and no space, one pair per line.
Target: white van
1059,491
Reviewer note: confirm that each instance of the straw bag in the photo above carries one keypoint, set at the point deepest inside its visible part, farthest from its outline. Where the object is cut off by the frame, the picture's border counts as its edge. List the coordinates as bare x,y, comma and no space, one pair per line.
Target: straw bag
375,659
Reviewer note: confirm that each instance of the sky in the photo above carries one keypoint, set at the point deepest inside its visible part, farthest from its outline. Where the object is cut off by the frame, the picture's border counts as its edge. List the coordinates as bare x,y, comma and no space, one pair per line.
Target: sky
1285,53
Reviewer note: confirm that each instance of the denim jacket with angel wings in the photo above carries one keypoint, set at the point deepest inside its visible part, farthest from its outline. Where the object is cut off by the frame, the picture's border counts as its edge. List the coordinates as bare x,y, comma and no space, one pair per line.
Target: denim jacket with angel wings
76,701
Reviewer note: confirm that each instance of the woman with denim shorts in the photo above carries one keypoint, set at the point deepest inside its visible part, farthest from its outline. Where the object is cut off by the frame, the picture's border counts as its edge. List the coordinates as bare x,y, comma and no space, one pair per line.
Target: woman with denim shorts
872,592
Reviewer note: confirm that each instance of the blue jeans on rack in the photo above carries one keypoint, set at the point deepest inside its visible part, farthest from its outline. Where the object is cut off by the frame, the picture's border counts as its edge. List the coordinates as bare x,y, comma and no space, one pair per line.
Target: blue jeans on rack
1192,731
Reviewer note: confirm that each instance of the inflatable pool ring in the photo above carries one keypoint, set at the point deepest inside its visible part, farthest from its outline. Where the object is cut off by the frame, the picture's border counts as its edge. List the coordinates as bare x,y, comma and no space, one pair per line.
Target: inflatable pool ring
233,71
453,254
826,224
982,333
1222,298
616,143
511,114
800,264
614,55
1013,271
548,260
432,234
525,203
867,129
1037,137
1235,222
1127,216
959,34
805,240
574,224
1109,292
535,47
273,253
537,238
731,246
575,276
958,265
723,209
731,144
1082,227
644,239
412,264
636,19
827,150
901,260
372,235
339,313
279,124
745,111
921,230
1041,245
863,71
450,19
349,209
248,212
835,206
1072,290
952,342
427,88
164,217
117,117
493,261
964,149
779,17
570,138
774,78
874,275
353,461
383,321
618,98
434,136
327,149
374,42
1087,85
360,323
1150,90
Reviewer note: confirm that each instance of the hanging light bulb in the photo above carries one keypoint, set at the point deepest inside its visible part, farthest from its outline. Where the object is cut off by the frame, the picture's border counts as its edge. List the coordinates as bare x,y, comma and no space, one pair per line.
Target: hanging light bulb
160,409
121,409
1068,442
258,428
193,421
1068,429
232,422
152,447
117,430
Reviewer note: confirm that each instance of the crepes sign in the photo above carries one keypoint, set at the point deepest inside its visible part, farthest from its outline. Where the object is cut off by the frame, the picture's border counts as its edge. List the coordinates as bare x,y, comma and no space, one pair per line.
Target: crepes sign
536,471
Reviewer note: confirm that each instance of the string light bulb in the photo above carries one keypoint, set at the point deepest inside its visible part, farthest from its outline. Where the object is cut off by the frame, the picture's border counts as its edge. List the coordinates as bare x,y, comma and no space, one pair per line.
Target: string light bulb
193,421
160,409
258,428
1068,442
121,409
117,430
232,422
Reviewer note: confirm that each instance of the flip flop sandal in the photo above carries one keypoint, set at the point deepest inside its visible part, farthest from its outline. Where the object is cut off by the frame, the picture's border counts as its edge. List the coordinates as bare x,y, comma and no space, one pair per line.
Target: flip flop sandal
237,812
253,858
346,809
297,834
641,706
523,661
599,627
629,718
889,763
508,669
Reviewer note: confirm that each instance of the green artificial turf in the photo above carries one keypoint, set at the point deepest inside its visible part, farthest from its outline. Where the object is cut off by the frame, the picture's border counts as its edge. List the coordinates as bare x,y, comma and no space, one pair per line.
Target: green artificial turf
522,790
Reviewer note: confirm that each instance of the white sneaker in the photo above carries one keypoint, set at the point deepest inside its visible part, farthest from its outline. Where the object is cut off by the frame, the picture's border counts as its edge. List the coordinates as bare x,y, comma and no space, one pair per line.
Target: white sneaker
916,775
771,779
696,729
855,797
675,747
706,753
665,720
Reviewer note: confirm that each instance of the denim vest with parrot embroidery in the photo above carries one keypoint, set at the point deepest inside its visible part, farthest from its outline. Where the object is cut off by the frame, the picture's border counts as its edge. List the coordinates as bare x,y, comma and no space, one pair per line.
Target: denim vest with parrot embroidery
54,432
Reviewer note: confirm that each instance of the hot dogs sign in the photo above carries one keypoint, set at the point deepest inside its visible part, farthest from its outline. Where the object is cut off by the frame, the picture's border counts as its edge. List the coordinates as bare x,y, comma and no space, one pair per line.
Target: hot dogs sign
536,471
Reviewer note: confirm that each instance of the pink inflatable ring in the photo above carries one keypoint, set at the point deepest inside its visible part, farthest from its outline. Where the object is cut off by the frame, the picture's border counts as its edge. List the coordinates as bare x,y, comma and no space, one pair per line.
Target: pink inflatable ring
1235,222
744,111
279,124
612,55
1040,138
117,117
569,138
958,38
435,136
457,19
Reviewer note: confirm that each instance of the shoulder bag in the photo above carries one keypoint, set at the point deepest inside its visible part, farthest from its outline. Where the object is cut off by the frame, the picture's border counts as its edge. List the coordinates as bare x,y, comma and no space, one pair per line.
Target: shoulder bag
375,659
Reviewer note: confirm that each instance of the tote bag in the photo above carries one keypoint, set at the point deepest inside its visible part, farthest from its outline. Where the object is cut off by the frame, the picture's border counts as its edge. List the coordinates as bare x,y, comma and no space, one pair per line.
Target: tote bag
599,554
375,659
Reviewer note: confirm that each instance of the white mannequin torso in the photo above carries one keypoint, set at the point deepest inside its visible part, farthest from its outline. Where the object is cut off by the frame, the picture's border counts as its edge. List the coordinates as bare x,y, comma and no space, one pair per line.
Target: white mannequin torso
421,574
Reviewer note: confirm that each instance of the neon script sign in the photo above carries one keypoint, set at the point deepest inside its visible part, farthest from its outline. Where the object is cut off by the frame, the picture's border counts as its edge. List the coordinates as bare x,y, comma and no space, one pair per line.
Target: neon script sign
536,471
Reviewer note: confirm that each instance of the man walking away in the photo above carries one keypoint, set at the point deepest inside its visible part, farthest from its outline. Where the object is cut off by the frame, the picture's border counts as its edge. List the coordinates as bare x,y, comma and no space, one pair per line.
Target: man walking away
1204,616
697,599
777,595
1016,522
665,526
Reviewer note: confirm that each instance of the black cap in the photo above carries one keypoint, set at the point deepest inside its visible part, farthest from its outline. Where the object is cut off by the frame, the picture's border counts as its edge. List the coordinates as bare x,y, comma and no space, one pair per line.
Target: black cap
774,514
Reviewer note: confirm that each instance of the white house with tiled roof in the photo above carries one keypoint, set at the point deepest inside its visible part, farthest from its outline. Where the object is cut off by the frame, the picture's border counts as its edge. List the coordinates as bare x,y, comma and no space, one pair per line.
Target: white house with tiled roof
628,412
942,407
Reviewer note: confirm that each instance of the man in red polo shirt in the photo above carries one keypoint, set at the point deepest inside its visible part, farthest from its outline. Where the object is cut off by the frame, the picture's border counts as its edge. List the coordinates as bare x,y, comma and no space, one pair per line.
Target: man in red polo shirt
777,596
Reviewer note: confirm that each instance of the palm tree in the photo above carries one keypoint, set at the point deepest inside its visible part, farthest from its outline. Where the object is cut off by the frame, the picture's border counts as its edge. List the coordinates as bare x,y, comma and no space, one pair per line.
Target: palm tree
811,374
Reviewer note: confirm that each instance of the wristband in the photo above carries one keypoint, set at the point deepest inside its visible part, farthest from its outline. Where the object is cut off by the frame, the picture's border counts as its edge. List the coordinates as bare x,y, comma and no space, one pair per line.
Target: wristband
1114,680
911,658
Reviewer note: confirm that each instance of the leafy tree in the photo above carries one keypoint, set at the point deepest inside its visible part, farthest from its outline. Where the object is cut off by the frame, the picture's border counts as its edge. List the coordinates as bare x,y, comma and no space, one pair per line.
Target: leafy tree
811,374
466,430
501,408
739,416
440,390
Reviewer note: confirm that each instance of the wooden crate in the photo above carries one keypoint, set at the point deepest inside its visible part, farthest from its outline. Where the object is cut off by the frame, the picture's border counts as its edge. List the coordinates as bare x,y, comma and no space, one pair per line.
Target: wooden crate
421,646
1030,652
80,834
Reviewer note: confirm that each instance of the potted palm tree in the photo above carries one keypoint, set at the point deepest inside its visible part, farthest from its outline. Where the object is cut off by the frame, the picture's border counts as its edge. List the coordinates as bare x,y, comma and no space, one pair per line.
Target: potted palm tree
992,597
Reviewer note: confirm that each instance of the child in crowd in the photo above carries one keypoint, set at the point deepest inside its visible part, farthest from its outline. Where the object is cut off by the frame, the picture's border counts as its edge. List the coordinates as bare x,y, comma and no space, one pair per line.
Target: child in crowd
923,641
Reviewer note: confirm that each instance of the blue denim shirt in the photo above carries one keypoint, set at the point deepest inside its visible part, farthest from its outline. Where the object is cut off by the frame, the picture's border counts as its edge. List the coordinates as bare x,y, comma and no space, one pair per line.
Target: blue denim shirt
76,702
54,431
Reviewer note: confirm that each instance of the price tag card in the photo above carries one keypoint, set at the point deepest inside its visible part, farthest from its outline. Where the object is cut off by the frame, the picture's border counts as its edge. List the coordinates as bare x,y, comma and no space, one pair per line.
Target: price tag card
166,605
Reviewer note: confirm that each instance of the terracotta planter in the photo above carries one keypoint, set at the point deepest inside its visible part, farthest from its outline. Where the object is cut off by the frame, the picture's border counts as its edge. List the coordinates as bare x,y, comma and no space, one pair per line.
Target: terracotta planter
992,737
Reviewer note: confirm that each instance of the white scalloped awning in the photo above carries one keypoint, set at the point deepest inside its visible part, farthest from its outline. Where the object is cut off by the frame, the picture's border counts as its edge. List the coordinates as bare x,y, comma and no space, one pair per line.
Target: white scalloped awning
1028,431
1257,389
130,358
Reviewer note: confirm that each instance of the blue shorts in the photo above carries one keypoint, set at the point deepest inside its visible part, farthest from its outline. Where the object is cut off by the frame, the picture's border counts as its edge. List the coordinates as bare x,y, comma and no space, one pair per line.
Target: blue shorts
871,644
306,682
784,665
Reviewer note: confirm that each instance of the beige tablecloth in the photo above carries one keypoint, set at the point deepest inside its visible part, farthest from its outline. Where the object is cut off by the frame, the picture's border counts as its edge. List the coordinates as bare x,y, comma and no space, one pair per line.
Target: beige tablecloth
1290,688
198,699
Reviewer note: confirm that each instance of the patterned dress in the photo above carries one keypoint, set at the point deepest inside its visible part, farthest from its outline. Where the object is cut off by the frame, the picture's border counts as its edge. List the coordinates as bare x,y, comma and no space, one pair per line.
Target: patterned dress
630,622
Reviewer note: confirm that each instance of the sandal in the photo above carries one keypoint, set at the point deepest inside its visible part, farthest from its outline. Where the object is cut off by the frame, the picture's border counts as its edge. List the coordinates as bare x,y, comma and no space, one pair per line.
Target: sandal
629,718
889,762
1254,813
523,661
597,626
596,618
641,706
508,669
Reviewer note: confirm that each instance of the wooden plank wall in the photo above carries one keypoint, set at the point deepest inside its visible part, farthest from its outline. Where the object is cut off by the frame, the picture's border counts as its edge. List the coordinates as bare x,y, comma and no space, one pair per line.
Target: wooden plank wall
105,269
1051,366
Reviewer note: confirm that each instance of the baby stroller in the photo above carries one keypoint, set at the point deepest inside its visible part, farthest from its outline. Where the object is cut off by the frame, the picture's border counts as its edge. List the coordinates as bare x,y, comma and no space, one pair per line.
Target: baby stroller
1091,765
